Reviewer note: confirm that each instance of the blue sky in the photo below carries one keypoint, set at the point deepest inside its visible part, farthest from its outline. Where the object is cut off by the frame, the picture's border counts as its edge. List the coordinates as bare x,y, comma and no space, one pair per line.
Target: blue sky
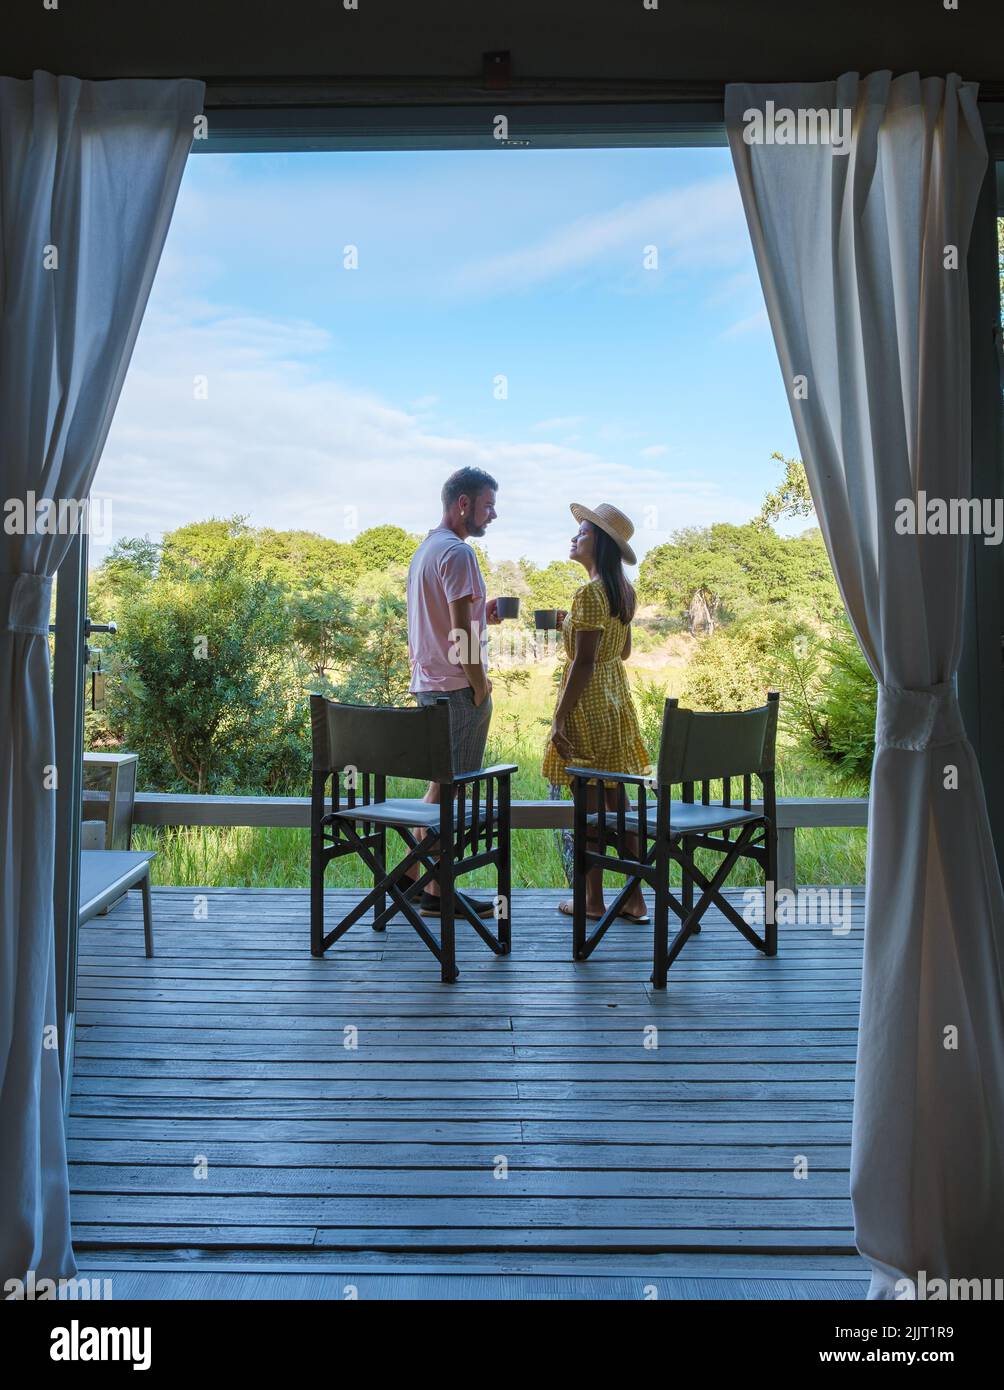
336,399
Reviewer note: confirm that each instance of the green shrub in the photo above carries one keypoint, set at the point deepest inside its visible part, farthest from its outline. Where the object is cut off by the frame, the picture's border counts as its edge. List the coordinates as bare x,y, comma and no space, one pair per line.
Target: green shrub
847,708
200,686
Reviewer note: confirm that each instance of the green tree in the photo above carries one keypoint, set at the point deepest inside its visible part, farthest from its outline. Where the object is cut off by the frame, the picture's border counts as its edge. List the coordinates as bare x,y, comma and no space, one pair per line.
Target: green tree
206,544
693,576
828,695
306,562
382,547
132,562
507,579
378,670
710,574
553,586
835,695
484,563
322,625
734,668
129,567
791,498
201,686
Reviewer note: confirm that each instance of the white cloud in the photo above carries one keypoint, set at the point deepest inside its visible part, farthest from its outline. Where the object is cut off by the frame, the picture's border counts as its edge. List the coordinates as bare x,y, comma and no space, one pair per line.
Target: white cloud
239,215
700,224
654,451
558,422
289,446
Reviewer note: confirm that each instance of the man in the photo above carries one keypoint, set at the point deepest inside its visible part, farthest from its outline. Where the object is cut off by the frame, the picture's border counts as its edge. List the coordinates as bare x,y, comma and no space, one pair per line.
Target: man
447,639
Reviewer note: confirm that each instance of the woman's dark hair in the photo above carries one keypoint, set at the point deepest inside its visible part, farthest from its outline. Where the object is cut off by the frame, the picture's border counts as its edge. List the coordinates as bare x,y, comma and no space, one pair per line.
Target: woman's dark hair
609,563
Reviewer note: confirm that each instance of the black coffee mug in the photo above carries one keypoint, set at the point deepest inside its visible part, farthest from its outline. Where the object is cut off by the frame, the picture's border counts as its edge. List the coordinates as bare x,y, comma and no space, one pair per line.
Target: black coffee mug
545,619
507,607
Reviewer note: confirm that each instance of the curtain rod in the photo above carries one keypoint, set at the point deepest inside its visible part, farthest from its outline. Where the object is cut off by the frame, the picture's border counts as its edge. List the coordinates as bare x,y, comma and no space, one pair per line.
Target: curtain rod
300,92
311,91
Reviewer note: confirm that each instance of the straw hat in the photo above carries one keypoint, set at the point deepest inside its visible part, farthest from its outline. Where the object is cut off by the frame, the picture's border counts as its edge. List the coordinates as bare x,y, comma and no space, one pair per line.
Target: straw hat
614,522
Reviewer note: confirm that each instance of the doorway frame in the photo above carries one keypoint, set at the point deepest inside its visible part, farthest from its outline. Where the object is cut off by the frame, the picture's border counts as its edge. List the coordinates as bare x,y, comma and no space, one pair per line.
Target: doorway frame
68,674
264,117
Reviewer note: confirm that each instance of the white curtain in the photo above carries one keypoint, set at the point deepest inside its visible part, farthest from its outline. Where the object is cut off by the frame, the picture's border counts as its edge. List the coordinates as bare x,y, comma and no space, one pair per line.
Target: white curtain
861,252
89,174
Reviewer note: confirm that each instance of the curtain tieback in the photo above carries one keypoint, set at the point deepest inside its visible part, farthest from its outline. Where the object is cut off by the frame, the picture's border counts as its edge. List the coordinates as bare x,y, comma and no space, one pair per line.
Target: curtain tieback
25,603
926,716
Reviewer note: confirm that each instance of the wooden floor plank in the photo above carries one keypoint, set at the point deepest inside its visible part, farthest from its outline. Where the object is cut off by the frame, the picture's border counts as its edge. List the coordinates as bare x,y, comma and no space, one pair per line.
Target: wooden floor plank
221,1180
216,1107
566,1158
198,1284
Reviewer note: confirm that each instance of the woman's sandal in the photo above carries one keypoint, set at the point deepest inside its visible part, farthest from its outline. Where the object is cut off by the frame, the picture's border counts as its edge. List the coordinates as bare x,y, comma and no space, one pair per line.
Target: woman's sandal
568,908
641,917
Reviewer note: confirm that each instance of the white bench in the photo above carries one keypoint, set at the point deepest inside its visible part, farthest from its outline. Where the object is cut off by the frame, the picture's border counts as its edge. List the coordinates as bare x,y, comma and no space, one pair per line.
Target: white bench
105,874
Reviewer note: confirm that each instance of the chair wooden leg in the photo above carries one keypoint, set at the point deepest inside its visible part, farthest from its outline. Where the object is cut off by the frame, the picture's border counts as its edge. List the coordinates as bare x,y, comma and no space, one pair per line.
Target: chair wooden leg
144,884
504,880
770,891
379,874
447,897
687,882
317,866
447,923
579,873
660,919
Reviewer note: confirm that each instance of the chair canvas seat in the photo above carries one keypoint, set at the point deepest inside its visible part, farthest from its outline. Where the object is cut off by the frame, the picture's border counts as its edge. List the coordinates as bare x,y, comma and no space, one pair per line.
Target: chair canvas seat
685,818
402,810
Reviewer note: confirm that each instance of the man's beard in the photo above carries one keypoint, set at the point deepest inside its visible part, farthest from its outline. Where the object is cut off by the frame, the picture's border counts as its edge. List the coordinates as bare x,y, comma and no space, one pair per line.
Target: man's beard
476,531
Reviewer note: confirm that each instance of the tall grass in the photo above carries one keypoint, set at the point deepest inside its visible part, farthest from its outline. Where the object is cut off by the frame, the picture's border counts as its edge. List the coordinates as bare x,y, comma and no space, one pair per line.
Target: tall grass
195,856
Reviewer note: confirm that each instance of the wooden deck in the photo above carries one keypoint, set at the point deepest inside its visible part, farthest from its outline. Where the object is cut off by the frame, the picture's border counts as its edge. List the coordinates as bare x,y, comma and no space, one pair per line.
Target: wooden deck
219,1121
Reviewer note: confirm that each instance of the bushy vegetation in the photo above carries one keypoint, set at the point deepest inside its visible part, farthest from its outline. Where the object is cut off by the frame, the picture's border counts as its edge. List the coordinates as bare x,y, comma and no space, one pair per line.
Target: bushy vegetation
201,692
224,629
771,618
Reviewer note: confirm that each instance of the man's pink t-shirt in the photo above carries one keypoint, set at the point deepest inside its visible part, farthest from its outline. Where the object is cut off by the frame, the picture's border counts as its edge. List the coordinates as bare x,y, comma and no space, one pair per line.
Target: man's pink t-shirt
443,569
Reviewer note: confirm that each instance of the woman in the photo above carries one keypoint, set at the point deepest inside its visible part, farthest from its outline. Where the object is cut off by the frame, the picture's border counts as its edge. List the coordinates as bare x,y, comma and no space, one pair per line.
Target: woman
595,724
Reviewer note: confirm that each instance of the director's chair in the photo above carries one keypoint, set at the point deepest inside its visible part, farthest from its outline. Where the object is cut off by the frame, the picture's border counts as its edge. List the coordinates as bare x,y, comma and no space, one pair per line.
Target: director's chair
355,749
697,747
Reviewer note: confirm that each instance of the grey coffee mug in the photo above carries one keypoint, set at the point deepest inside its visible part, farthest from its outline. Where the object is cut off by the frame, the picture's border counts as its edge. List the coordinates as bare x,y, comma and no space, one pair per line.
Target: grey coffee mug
545,619
507,607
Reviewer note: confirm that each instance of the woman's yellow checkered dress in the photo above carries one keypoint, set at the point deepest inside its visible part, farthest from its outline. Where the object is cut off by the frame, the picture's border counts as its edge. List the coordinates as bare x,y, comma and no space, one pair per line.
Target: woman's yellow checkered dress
603,726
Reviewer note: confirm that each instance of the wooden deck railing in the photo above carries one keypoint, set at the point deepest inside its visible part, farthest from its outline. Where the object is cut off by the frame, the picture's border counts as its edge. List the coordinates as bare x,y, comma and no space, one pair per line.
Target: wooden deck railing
793,813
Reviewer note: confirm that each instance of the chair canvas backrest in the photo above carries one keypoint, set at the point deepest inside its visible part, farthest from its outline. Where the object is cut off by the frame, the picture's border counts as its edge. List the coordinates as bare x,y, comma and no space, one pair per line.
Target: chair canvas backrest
382,739
699,745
